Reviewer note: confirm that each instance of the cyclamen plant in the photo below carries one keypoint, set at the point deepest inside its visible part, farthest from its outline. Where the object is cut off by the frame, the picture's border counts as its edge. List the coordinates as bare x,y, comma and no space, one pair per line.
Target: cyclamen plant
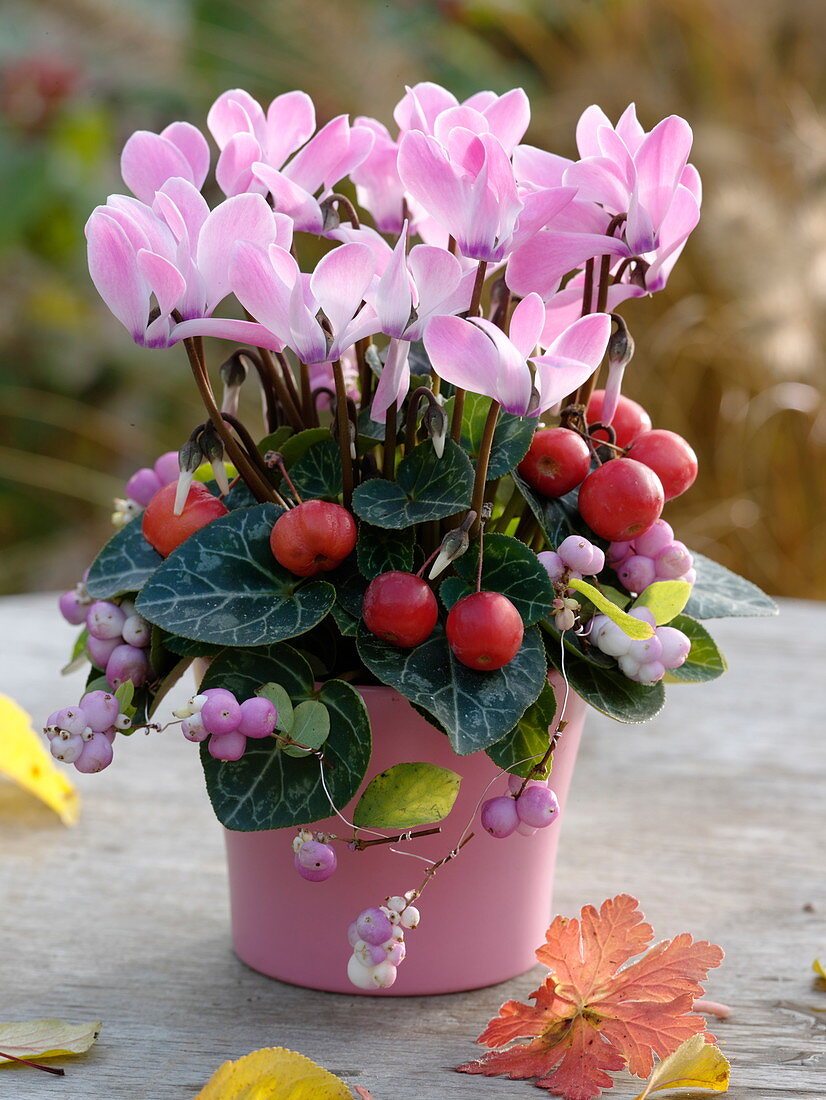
441,502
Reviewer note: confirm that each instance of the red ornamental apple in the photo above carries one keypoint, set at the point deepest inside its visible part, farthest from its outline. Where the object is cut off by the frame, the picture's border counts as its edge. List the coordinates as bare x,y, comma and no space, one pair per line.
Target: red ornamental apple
557,461
669,456
621,499
400,608
484,630
166,531
629,421
314,537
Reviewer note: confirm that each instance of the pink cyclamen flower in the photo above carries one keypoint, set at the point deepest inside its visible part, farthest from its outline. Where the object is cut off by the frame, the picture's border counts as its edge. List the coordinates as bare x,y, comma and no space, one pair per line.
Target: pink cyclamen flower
277,153
177,253
409,292
477,356
467,185
632,172
288,304
148,160
379,188
433,110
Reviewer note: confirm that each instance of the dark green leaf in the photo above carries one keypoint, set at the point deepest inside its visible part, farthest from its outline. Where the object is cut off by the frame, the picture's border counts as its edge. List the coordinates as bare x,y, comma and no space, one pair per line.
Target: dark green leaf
223,586
123,565
719,593
381,549
406,795
528,741
266,789
347,624
511,438
610,691
317,474
513,569
452,589
705,661
557,518
189,647
475,708
275,440
426,488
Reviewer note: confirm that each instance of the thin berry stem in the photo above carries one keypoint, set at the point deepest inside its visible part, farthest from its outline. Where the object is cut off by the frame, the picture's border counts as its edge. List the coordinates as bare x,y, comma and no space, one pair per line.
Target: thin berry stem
275,458
388,462
482,463
359,844
473,311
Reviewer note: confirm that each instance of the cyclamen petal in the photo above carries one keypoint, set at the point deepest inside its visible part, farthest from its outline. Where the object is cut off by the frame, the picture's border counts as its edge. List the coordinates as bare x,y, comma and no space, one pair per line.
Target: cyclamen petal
183,208
421,105
508,117
240,218
166,282
572,358
462,354
527,322
539,264
340,280
290,123
290,198
232,112
114,271
193,145
234,170
393,297
394,381
378,187
259,289
148,161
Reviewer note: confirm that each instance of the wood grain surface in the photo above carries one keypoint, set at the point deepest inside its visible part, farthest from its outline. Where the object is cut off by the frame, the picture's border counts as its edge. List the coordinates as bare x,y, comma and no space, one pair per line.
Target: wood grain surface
712,815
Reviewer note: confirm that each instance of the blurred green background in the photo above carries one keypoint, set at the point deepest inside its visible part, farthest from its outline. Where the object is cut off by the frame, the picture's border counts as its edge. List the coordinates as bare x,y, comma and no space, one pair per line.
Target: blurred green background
730,355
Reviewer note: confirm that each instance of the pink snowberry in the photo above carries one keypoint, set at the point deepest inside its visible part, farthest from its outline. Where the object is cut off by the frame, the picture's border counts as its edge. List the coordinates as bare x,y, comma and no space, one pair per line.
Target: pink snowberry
537,807
258,717
221,712
499,816
315,861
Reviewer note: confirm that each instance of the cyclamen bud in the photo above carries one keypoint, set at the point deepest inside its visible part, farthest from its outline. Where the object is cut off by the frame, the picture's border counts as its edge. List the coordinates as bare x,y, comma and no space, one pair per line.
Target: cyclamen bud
233,373
189,459
213,451
454,544
435,424
620,353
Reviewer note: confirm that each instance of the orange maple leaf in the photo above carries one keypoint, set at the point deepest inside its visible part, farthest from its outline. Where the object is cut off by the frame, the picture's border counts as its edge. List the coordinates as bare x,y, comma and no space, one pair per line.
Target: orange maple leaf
593,1013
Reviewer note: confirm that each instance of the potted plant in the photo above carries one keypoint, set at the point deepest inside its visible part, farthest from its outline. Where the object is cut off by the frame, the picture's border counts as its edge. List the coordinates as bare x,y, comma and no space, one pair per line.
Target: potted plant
445,542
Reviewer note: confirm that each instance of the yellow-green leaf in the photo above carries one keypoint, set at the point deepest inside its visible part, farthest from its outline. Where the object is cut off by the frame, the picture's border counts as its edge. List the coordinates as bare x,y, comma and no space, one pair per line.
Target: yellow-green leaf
634,628
274,1074
664,599
819,967
694,1065
46,1039
24,760
407,795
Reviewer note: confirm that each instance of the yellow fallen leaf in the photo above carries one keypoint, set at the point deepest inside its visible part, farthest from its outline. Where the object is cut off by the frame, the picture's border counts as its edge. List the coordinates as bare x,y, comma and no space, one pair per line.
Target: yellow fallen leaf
694,1065
45,1039
273,1073
819,967
25,760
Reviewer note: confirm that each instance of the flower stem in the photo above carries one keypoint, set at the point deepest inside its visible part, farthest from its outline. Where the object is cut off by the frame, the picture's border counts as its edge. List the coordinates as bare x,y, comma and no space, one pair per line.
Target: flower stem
343,426
482,463
473,311
258,486
388,463
307,409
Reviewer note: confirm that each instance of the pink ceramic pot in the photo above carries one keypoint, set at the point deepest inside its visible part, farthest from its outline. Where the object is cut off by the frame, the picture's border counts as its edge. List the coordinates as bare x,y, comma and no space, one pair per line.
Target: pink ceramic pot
482,916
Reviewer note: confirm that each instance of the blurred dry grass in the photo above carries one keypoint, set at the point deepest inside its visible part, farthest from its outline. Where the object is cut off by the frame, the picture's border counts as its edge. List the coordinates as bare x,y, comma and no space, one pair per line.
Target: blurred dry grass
731,355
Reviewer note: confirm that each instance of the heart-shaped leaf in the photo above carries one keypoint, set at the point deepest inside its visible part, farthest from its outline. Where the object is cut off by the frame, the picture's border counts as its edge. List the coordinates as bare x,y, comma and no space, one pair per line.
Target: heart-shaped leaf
475,708
511,438
705,661
381,549
610,691
317,474
512,568
426,488
406,795
718,593
266,789
123,565
528,741
223,586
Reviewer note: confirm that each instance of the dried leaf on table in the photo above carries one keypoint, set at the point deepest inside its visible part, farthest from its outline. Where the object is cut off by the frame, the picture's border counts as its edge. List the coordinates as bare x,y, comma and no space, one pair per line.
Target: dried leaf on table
819,967
25,760
590,1017
694,1065
273,1073
38,1039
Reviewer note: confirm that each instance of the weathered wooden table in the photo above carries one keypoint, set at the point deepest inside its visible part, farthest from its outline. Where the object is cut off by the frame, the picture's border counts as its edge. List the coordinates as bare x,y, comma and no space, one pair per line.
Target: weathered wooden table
713,815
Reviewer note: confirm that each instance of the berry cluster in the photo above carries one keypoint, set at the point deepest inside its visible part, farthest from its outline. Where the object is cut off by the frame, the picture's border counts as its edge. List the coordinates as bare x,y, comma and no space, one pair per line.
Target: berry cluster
216,714
524,809
655,555
118,636
377,939
574,557
142,486
315,860
83,735
647,660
